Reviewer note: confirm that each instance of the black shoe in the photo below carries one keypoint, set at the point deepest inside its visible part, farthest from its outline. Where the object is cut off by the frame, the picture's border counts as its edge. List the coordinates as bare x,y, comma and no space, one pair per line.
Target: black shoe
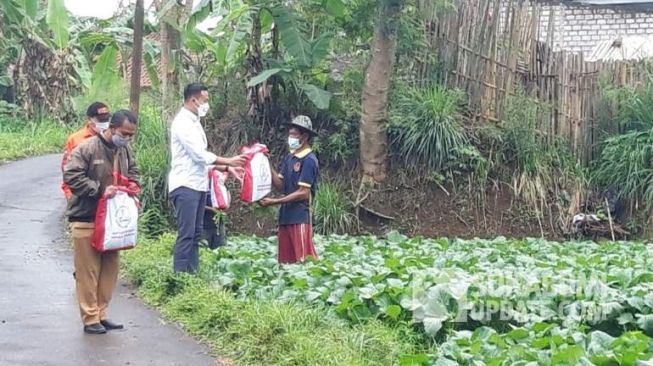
96,328
109,325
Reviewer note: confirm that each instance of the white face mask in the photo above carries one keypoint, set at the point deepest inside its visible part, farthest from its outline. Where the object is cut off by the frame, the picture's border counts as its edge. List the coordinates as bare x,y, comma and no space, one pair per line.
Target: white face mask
101,126
203,109
294,143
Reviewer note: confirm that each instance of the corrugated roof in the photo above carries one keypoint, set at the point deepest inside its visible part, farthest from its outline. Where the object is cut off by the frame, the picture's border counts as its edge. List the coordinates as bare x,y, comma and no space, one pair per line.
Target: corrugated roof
145,77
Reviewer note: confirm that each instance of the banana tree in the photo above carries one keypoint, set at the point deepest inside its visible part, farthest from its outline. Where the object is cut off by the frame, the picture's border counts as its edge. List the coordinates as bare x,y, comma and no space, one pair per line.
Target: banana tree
107,44
274,43
297,74
35,47
172,15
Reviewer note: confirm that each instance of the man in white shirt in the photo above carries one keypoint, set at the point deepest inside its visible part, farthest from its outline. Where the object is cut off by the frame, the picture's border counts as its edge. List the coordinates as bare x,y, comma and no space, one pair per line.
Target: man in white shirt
188,179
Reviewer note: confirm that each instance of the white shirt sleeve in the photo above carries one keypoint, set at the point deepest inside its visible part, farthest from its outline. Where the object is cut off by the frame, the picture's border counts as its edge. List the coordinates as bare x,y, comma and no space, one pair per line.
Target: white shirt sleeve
192,144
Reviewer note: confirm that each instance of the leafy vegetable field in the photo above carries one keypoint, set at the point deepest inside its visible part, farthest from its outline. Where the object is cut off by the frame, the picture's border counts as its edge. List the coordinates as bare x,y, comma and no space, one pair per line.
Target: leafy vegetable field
490,301
478,302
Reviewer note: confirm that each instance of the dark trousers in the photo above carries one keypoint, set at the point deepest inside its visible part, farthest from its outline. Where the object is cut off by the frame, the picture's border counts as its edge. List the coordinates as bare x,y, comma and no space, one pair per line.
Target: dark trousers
189,210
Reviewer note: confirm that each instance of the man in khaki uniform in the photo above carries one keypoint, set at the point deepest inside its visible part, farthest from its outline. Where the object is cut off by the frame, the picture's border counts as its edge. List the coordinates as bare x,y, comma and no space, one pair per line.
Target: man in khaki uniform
89,174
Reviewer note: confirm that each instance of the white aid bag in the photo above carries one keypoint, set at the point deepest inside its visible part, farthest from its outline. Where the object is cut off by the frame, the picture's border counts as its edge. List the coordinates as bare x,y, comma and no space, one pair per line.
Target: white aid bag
257,182
116,222
220,196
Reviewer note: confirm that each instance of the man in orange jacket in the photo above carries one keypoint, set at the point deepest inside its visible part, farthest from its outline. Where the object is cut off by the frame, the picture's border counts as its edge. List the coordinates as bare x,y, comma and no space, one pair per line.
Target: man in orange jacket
97,120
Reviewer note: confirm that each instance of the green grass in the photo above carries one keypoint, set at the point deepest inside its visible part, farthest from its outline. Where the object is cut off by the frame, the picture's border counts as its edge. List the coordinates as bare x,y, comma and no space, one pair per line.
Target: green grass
19,140
254,331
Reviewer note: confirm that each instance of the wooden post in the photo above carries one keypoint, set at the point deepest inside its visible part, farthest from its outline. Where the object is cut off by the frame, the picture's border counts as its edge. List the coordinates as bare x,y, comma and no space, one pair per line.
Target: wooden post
137,58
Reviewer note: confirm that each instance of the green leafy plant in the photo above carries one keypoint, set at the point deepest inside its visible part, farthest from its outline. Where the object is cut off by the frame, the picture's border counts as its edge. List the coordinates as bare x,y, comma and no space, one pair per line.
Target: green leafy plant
500,300
255,331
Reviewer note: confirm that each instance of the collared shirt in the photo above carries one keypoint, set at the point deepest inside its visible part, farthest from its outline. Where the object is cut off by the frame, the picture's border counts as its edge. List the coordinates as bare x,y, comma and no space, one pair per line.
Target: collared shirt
190,158
299,169
73,140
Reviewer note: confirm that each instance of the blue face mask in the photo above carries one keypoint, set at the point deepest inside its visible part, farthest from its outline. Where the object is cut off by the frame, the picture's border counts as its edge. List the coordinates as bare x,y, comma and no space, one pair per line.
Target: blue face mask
294,143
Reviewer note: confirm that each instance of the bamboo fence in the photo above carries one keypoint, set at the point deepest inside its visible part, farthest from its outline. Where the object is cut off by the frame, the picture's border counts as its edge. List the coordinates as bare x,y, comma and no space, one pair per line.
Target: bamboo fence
490,48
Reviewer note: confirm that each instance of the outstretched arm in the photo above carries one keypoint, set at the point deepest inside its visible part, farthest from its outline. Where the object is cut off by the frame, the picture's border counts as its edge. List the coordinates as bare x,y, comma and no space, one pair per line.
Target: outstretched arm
302,194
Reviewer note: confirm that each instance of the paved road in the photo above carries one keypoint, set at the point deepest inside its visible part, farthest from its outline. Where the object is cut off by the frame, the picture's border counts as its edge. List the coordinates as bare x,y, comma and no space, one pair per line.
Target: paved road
39,318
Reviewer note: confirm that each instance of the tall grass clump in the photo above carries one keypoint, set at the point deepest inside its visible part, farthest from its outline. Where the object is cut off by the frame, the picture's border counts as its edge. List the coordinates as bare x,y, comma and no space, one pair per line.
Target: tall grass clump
152,156
426,126
635,105
541,168
333,211
626,168
623,166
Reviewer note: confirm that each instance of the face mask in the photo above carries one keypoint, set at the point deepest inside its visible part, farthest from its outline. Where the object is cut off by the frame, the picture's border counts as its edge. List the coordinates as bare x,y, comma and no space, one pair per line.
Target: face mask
118,140
101,126
294,143
203,109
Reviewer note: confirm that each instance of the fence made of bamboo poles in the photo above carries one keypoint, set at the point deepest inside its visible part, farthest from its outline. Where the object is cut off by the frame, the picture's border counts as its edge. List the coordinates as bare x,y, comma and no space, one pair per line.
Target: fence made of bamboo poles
489,48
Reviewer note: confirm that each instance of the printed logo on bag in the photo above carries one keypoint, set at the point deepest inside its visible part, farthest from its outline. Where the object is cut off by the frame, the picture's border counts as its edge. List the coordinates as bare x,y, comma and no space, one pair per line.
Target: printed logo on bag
297,167
122,217
264,172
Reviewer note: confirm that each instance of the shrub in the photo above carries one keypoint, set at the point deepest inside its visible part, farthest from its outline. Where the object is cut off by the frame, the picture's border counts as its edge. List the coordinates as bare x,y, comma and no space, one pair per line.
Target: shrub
152,156
333,211
426,126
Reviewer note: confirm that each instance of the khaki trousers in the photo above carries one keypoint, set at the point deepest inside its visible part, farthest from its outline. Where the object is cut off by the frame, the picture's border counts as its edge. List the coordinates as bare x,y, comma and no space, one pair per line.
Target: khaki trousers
96,274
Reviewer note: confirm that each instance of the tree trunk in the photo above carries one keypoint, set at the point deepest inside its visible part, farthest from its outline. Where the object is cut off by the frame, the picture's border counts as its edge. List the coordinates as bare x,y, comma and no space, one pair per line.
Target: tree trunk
378,77
256,94
168,39
137,58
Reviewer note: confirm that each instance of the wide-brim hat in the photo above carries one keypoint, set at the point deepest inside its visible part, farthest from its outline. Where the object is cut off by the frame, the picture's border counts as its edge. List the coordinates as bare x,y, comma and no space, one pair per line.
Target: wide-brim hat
304,123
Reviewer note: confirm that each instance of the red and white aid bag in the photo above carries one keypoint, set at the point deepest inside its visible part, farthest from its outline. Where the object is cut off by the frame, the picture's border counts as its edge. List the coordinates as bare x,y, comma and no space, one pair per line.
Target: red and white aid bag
116,222
257,182
220,196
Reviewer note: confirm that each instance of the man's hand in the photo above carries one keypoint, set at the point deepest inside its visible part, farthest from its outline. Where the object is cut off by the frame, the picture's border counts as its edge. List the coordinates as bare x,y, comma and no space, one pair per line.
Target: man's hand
268,202
133,188
237,172
236,161
110,191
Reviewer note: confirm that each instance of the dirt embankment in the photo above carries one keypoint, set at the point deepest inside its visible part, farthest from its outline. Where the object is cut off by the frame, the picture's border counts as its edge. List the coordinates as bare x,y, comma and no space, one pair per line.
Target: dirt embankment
426,211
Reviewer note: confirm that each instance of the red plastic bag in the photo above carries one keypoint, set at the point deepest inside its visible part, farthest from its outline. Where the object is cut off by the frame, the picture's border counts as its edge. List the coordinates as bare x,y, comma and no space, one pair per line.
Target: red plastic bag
220,196
257,182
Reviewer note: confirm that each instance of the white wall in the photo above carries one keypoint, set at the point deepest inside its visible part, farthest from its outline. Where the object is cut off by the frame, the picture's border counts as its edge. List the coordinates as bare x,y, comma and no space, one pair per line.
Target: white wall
580,28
